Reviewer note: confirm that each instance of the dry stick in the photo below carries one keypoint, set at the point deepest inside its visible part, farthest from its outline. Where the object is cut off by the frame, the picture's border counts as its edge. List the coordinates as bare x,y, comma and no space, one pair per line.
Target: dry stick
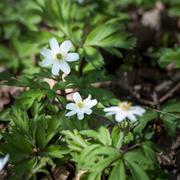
144,101
170,93
155,100
71,92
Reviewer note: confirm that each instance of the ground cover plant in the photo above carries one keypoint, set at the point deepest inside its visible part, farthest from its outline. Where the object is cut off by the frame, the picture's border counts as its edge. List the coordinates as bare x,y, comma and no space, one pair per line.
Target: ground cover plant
89,90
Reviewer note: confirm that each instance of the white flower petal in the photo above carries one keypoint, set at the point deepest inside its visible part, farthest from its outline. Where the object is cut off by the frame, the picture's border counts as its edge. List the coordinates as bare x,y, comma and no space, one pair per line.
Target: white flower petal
55,69
90,103
71,113
77,97
70,57
3,162
113,109
65,46
138,108
80,115
47,53
120,116
88,111
46,62
54,45
86,101
64,66
131,117
111,113
121,113
71,106
136,112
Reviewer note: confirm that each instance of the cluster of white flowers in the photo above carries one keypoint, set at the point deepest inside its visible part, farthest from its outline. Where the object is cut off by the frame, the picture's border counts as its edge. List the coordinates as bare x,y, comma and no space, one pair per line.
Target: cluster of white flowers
3,162
124,110
57,57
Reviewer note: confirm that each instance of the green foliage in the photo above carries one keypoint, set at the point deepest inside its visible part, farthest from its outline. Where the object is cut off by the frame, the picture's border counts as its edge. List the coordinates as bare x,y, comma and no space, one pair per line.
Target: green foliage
96,152
32,143
171,117
36,132
170,56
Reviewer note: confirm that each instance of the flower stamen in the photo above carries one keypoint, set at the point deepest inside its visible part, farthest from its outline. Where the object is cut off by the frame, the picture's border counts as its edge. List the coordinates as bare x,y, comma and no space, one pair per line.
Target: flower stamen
80,104
125,105
59,56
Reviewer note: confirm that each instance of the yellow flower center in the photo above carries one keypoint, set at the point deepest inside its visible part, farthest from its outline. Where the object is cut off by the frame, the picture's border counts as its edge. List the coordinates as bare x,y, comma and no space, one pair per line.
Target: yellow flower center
80,104
59,56
125,105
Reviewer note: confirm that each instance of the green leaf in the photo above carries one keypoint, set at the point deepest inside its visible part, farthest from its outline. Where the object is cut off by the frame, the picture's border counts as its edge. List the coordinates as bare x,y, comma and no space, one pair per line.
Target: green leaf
24,49
100,33
170,56
102,135
117,137
24,169
75,137
56,151
47,128
27,98
5,75
137,157
17,145
137,172
170,116
172,106
20,120
118,172
144,120
149,152
107,36
5,52
175,11
100,166
94,57
170,124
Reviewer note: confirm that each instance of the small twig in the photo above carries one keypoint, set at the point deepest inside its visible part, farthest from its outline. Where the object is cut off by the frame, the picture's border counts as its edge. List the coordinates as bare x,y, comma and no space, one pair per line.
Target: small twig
70,92
133,146
170,93
145,101
155,99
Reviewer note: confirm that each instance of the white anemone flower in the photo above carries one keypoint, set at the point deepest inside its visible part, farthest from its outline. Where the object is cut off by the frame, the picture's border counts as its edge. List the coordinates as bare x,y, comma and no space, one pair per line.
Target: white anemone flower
58,56
125,110
80,107
3,162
